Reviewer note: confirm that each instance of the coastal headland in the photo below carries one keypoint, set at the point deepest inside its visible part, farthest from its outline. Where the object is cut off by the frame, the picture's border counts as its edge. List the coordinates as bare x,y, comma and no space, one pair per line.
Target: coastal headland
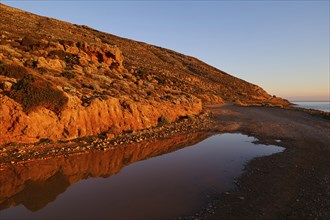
68,91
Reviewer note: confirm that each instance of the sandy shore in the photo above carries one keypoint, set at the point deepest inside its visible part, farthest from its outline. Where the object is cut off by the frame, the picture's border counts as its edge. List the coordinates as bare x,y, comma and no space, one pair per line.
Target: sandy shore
294,184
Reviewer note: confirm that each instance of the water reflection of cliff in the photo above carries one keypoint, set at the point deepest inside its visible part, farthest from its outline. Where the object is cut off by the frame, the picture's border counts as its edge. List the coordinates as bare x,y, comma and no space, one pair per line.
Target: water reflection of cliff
37,183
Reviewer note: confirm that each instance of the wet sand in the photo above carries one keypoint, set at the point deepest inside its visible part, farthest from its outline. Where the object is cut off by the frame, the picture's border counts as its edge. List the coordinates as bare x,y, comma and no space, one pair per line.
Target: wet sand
294,184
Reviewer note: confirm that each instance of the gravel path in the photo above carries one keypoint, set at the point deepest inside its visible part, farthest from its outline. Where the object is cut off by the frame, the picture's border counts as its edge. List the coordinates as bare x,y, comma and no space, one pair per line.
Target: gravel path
294,184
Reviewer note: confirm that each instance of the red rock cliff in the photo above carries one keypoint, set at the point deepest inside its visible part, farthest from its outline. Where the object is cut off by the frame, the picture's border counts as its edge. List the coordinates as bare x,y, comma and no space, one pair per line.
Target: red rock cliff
63,81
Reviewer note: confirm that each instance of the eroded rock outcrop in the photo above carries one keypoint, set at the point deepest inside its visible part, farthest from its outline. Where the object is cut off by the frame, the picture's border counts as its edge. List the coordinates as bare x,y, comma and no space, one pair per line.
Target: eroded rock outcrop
67,90
63,81
112,115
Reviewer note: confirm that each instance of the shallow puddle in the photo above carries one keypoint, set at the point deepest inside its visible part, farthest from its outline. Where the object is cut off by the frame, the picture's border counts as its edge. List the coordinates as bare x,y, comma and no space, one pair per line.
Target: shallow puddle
126,184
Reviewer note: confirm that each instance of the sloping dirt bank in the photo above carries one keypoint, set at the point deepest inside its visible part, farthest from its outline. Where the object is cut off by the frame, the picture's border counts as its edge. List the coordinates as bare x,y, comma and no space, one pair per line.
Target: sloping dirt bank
294,184
21,153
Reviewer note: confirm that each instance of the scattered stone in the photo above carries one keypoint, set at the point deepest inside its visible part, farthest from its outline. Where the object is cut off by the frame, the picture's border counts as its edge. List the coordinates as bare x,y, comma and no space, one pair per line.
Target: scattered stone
6,86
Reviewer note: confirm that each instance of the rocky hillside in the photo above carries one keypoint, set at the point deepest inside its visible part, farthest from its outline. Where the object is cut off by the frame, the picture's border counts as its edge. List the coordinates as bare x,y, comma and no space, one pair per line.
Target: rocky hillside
62,81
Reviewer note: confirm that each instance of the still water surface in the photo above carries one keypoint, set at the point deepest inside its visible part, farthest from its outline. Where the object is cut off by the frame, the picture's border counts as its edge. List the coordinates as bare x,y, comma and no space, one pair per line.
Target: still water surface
161,187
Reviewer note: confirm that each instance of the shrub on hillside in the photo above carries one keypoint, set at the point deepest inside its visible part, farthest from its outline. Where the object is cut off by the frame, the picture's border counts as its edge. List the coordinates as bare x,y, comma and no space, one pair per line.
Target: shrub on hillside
30,43
163,120
32,93
68,75
59,53
13,71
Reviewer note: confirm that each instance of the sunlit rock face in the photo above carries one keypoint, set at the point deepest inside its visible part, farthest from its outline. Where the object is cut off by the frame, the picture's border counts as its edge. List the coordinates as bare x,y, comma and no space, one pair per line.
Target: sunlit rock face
62,81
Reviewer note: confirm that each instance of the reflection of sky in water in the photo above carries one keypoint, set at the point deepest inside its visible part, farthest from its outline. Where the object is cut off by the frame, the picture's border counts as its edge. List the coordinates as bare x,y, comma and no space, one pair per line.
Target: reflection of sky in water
162,187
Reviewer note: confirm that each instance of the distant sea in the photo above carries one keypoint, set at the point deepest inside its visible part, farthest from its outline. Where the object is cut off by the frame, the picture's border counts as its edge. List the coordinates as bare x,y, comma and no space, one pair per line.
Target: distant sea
323,106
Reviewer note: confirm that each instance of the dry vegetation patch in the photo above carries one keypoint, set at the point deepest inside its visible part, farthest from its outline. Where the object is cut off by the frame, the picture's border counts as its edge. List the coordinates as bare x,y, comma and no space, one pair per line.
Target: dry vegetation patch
33,92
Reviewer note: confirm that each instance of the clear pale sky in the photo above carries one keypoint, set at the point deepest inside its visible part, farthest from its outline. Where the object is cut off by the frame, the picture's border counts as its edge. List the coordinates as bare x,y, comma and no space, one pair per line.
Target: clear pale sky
282,46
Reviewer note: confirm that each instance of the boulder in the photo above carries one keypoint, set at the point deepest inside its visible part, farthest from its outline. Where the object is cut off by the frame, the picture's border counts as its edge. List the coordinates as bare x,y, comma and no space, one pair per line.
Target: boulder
51,64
